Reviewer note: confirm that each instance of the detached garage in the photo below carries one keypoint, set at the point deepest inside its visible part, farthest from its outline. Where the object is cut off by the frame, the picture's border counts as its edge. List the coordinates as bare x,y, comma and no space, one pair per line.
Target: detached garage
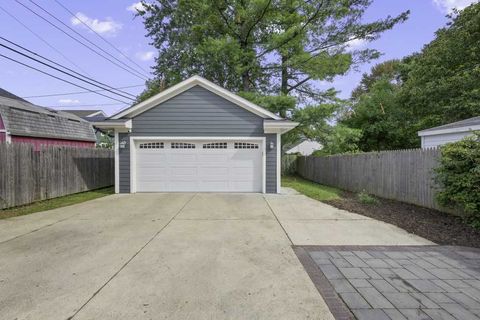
197,137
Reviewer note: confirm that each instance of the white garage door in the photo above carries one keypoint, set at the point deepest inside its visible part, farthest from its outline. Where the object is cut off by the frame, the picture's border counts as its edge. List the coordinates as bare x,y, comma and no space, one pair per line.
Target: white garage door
199,166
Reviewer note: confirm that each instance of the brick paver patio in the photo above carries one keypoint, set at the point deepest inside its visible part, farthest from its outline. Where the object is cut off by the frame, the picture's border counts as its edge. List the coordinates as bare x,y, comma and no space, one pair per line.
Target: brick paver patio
398,282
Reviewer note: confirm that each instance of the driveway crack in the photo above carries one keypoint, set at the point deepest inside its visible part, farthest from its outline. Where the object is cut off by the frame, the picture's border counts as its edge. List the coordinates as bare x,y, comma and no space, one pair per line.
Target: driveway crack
276,218
131,258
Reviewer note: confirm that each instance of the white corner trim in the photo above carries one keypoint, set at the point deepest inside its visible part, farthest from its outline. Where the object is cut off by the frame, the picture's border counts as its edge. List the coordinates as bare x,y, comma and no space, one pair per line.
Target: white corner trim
278,126
117,164
187,84
279,163
133,165
133,149
433,132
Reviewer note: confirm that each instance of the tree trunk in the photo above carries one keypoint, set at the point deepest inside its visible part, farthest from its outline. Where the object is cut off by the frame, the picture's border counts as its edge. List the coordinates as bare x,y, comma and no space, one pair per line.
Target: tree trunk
284,82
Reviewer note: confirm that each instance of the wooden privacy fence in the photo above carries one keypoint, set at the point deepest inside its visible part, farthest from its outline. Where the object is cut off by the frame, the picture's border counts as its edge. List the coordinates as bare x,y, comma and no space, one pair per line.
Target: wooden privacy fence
27,175
403,175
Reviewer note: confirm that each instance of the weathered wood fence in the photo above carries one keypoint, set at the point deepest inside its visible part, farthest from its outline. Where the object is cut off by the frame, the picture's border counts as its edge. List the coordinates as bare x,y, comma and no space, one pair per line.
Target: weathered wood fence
27,175
403,175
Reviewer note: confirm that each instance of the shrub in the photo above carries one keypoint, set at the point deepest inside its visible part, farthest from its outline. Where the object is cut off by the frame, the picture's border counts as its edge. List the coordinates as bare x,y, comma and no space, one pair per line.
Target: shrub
365,198
459,177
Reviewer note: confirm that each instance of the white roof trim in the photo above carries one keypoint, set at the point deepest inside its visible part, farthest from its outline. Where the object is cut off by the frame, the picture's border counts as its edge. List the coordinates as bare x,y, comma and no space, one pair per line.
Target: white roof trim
278,126
96,113
431,132
187,84
127,124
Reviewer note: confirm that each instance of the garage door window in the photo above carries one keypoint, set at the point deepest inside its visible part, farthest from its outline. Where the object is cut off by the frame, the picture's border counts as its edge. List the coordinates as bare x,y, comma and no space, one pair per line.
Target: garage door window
215,145
182,145
151,145
245,145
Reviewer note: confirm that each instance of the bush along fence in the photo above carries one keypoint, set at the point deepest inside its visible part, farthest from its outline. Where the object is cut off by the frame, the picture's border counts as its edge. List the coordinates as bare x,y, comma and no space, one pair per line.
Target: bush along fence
289,164
403,175
27,175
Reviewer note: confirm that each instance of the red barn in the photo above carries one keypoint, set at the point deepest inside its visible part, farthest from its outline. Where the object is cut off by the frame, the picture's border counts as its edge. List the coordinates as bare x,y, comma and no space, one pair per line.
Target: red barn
24,122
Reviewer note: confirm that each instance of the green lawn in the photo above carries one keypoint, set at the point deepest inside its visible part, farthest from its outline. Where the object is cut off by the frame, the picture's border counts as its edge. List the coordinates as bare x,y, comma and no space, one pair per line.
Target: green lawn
55,203
311,189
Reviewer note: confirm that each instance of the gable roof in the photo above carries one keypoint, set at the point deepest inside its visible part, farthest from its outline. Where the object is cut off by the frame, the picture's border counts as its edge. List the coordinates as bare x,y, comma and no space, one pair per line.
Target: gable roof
187,84
86,113
466,125
23,118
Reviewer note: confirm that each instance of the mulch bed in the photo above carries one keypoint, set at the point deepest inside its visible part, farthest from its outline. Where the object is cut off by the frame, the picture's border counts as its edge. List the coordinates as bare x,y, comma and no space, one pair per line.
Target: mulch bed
436,226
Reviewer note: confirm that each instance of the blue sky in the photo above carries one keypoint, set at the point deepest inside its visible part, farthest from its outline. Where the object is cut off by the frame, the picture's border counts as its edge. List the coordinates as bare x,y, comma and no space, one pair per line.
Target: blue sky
114,19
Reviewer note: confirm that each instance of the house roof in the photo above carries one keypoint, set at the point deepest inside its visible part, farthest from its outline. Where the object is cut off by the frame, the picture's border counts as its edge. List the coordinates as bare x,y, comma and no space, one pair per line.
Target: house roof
466,125
187,84
87,113
23,118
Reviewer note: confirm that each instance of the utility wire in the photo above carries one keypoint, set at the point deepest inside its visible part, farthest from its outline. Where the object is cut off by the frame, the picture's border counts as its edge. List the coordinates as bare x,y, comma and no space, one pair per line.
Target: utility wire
100,36
87,105
84,38
78,92
57,64
43,40
64,72
83,44
58,78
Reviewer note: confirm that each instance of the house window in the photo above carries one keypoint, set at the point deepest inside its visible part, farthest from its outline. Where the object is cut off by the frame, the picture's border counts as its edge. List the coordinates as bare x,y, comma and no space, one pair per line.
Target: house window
245,145
151,145
215,145
182,145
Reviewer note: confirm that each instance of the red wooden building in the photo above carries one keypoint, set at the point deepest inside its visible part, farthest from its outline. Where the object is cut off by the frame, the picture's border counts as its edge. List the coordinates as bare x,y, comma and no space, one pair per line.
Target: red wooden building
24,122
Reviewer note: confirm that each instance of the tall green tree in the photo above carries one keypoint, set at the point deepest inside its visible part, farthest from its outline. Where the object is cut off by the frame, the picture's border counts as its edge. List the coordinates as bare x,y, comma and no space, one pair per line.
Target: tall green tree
273,52
443,81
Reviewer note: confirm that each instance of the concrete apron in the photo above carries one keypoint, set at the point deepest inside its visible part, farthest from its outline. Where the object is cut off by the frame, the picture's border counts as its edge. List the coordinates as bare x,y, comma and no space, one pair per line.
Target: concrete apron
144,256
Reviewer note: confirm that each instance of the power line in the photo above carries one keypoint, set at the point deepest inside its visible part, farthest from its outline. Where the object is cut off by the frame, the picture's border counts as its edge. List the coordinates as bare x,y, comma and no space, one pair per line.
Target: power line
57,64
84,38
58,78
75,39
105,40
87,105
43,40
67,73
78,92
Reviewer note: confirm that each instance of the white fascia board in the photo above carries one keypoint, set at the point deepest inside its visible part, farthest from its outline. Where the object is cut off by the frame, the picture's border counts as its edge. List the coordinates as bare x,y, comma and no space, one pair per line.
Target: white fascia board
187,84
278,126
449,130
99,112
125,126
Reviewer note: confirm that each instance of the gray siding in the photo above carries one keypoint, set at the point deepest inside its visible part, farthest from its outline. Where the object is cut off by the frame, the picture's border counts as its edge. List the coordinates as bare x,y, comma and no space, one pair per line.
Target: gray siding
124,163
271,164
197,112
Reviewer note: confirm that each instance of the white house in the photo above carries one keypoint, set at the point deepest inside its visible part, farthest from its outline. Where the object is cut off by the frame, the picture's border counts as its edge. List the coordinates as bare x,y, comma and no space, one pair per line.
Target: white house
451,132
305,147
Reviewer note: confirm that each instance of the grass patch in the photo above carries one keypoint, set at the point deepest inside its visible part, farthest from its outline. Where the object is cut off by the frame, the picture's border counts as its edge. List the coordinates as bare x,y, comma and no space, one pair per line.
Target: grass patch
365,198
55,203
311,189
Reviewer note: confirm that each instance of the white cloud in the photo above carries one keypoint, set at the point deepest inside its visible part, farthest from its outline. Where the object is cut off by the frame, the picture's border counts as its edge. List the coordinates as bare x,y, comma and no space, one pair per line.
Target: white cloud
135,7
448,5
145,55
356,43
107,26
68,101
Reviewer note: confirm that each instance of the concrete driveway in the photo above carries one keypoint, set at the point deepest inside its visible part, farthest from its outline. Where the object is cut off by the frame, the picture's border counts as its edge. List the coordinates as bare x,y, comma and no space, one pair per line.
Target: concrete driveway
174,256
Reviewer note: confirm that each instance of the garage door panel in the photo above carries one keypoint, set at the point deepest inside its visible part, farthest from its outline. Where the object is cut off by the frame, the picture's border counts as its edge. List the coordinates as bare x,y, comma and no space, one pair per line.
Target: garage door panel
211,169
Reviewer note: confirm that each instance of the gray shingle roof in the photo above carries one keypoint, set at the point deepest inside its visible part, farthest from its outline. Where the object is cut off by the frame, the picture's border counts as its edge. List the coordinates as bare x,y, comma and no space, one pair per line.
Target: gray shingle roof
25,119
475,121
